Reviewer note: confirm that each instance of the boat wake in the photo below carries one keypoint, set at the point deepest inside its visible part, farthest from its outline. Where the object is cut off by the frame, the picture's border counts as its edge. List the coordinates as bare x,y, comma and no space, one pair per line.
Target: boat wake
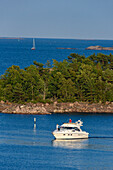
103,137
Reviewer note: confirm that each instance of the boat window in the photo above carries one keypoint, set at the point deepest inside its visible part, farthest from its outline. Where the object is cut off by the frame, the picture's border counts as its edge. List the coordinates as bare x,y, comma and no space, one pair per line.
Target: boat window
77,129
67,127
70,128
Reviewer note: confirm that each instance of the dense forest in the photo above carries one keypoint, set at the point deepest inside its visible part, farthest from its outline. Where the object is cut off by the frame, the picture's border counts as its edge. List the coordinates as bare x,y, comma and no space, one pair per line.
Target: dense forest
75,79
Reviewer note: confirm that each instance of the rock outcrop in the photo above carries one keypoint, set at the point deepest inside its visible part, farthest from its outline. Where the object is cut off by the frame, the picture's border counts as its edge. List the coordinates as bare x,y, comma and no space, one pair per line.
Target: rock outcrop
97,47
23,109
47,108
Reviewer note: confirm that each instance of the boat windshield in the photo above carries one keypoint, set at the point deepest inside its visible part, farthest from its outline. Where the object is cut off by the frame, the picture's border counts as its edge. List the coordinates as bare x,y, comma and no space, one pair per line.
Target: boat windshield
70,128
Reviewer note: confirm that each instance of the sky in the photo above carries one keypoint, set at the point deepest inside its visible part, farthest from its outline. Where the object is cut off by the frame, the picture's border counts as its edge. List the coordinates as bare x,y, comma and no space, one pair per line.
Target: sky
75,19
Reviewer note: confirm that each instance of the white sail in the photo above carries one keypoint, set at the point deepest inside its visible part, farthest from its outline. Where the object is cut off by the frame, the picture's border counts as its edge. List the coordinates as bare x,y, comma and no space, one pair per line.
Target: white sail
33,48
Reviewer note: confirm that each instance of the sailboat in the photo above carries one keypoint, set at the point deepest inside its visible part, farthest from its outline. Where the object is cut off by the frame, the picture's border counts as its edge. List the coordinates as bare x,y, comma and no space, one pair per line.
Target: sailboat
33,48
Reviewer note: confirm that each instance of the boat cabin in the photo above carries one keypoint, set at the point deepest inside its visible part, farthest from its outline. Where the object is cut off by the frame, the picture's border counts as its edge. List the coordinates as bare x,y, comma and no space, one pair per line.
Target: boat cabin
69,128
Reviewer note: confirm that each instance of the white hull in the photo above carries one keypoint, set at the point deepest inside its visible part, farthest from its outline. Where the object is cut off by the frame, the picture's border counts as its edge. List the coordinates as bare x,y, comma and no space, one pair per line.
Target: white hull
75,135
33,48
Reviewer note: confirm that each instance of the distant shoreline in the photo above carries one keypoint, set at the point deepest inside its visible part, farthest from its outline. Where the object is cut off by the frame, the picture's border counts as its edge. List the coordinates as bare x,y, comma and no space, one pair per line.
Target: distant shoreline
11,38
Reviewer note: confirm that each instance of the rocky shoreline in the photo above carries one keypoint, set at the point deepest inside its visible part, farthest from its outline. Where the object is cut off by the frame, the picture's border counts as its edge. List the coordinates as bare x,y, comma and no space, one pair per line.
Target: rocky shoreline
97,47
40,108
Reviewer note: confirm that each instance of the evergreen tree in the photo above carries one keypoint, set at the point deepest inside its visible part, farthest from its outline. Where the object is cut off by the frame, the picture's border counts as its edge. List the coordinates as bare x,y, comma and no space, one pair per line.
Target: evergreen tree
77,78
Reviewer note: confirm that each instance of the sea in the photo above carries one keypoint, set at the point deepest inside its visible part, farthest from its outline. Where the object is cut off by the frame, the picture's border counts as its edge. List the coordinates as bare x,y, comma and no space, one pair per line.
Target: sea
24,146
18,51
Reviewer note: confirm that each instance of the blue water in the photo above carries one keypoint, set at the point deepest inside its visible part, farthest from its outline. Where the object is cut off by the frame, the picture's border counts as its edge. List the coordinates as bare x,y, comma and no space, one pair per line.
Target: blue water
23,147
18,52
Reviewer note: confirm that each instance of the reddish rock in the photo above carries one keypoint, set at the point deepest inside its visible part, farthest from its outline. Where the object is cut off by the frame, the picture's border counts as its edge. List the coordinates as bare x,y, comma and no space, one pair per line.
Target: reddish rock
97,47
2,102
40,108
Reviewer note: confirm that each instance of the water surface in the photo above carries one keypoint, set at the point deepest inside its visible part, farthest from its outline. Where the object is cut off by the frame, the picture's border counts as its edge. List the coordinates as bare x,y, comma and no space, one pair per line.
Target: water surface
23,147
18,52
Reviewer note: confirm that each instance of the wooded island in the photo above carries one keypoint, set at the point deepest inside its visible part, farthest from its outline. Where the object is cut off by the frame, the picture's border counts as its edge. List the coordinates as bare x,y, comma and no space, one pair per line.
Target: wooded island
77,78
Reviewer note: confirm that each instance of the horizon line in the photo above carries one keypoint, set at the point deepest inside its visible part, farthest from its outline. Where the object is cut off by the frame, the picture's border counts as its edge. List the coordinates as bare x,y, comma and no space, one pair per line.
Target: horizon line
22,37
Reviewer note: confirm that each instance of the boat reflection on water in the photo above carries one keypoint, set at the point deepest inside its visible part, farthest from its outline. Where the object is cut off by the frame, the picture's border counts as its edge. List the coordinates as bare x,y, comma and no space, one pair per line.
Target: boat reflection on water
71,144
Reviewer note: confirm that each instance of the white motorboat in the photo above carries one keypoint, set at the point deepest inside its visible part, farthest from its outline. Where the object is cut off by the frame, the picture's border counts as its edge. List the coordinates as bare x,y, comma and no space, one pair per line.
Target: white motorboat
70,131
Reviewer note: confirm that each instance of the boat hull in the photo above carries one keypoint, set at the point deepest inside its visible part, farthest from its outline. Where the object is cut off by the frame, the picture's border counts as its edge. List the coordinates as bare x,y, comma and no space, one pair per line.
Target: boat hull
76,135
33,48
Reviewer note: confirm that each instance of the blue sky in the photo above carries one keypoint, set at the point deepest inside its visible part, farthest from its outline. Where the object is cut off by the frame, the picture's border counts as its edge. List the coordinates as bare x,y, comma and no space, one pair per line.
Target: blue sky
79,19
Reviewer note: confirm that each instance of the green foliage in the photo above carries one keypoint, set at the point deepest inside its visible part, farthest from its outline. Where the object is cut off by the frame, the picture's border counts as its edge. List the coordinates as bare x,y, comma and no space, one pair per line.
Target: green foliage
75,79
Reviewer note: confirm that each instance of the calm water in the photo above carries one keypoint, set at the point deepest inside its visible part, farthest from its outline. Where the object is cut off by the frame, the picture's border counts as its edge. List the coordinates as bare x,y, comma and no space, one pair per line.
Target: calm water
22,147
18,52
